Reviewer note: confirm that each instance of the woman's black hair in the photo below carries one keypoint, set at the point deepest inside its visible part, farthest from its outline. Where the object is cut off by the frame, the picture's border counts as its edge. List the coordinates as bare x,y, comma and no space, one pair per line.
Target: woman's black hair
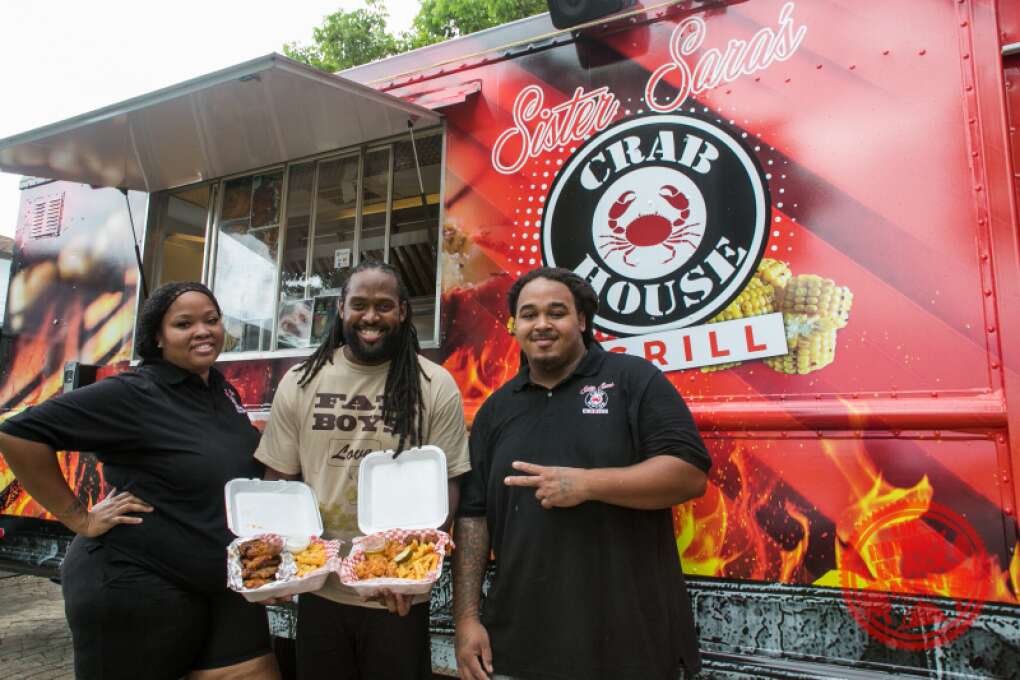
150,318
585,299
403,407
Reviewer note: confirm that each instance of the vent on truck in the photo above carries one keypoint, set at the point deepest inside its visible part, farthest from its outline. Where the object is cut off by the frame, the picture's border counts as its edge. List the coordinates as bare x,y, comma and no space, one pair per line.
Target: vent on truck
45,215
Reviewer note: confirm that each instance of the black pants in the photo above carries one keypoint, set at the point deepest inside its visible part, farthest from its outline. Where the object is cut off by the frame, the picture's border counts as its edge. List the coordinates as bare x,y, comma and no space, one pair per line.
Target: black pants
127,622
344,642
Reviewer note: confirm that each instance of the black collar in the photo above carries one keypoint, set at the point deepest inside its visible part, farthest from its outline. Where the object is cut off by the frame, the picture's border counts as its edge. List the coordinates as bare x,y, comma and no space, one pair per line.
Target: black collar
175,375
590,364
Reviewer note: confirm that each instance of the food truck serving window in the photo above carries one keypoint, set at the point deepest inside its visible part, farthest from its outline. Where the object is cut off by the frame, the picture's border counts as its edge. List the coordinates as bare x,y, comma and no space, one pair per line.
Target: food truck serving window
276,245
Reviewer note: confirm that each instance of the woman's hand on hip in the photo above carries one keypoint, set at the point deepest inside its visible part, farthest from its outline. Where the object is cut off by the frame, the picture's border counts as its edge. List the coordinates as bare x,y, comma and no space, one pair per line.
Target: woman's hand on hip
111,511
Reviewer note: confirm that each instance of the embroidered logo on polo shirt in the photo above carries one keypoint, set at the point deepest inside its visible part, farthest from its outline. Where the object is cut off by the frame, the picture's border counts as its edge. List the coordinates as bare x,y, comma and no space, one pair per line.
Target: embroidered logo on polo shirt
233,400
595,398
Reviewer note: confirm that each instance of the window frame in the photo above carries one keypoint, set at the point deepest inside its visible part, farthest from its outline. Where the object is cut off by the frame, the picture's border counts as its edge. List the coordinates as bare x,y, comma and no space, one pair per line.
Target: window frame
153,254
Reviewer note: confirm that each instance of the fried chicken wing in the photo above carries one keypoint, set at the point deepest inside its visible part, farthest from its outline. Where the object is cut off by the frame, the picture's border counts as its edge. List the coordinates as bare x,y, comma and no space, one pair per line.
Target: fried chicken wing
261,561
258,547
255,582
264,573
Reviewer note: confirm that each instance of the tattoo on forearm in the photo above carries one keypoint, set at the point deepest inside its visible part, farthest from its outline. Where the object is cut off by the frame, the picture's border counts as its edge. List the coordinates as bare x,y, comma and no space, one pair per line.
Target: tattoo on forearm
74,510
75,507
469,560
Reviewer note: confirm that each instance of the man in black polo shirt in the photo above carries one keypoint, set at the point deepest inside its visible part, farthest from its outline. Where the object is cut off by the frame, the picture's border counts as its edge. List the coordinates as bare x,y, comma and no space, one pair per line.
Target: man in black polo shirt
576,463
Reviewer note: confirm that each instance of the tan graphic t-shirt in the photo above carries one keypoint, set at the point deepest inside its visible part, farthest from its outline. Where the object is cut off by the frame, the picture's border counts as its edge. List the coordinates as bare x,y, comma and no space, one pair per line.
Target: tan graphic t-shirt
323,430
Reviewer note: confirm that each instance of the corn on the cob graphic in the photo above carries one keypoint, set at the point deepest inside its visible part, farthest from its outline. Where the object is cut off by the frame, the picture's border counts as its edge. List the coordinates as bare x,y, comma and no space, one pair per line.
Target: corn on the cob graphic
755,299
813,307
758,297
814,296
812,343
773,272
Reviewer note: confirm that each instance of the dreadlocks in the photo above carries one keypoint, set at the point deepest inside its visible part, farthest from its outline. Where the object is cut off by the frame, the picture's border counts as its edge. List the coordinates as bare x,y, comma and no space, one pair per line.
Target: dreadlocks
403,407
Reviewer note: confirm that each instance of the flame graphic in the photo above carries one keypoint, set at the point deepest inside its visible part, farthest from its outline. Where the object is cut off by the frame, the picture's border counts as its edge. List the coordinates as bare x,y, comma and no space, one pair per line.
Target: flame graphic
723,537
730,533
105,324
486,355
908,554
481,370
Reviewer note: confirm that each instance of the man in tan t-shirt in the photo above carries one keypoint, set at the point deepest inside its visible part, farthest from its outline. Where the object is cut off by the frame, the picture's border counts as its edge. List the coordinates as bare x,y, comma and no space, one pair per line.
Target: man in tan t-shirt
365,389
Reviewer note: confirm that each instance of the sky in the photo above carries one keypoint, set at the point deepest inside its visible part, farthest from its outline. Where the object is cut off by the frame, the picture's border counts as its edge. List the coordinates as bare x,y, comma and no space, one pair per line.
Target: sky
59,59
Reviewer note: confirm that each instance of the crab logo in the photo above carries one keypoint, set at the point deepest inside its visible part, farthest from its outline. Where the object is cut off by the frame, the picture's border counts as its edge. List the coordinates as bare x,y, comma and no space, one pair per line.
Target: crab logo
596,399
665,215
649,222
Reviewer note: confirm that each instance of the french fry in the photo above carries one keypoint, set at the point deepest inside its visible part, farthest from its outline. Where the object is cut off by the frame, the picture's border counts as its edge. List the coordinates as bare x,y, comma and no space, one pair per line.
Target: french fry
311,558
420,560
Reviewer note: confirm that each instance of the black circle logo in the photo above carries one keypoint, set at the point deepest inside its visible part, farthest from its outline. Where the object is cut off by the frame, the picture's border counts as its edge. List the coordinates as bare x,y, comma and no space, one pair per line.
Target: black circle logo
665,215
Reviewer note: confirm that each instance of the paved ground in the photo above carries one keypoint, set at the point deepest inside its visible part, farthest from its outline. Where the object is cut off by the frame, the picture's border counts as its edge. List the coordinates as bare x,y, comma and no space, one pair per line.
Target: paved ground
35,643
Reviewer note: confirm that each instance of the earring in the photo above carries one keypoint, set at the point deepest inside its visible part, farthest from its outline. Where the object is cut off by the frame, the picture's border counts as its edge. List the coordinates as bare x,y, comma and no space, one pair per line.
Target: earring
510,325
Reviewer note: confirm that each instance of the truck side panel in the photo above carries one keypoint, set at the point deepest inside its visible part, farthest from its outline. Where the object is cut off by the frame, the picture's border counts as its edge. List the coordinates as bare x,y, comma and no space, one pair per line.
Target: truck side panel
884,155
71,298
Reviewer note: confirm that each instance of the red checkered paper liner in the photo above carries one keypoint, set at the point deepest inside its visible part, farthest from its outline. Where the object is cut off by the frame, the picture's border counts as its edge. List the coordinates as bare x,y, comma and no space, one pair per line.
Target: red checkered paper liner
287,581
403,586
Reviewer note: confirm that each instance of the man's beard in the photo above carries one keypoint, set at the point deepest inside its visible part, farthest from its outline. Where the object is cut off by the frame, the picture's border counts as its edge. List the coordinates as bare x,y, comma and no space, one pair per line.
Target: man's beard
554,363
384,350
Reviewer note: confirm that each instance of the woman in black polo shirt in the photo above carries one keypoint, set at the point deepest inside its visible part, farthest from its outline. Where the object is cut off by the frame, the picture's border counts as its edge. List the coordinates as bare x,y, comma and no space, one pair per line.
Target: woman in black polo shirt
144,580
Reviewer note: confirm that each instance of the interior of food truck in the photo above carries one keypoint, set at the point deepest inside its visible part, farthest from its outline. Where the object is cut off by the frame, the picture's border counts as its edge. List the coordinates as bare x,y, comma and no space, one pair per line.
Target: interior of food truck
340,209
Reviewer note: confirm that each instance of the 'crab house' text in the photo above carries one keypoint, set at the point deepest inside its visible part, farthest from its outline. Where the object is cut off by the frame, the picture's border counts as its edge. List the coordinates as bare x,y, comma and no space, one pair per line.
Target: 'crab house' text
661,298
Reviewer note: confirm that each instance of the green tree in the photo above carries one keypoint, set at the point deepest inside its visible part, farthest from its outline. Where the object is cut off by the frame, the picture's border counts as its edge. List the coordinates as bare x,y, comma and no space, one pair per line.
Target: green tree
350,38
439,20
347,39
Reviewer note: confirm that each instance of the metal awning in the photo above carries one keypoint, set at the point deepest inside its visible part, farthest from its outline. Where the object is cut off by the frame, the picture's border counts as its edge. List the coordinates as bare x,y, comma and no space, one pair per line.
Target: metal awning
445,97
265,111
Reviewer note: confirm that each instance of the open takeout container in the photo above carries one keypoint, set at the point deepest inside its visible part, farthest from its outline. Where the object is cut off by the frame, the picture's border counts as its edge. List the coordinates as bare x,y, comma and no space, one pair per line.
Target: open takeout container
399,499
274,511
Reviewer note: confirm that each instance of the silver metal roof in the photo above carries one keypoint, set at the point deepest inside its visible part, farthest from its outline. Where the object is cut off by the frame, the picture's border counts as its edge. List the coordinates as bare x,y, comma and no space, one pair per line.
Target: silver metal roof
264,111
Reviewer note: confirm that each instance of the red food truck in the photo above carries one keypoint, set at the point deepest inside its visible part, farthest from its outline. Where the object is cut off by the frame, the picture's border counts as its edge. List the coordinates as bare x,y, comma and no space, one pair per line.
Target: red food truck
804,212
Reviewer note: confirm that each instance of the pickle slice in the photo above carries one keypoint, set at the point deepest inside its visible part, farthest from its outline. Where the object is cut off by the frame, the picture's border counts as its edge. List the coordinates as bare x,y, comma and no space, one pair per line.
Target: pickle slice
403,555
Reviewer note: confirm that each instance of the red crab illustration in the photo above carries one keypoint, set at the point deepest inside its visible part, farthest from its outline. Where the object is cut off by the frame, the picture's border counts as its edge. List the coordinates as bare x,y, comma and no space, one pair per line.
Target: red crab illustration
649,229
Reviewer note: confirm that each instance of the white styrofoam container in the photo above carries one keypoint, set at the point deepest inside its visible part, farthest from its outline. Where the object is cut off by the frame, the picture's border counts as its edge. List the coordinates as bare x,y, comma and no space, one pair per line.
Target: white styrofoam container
397,497
408,492
255,508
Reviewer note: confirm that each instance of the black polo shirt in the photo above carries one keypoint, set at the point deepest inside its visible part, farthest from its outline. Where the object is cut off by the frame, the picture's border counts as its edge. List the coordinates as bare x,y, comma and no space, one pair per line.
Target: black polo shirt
173,441
593,591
